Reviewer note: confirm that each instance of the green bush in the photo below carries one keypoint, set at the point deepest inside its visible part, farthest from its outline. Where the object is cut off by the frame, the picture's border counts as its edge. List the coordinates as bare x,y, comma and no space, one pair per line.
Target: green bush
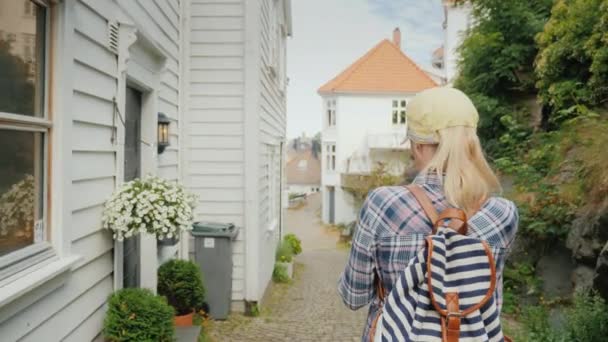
294,242
138,315
182,283
587,319
571,64
284,252
537,327
279,274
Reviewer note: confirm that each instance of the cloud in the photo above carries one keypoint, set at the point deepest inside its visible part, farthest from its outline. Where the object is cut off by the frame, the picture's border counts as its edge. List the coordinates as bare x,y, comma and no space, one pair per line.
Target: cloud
419,21
418,16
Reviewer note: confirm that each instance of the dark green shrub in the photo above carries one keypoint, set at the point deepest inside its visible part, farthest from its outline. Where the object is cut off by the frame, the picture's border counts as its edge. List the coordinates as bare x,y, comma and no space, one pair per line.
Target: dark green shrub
587,320
279,274
138,315
294,242
182,283
536,325
284,252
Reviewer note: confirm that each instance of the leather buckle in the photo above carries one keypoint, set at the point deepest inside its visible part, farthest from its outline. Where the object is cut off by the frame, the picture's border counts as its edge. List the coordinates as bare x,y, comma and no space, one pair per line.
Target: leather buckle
449,315
455,314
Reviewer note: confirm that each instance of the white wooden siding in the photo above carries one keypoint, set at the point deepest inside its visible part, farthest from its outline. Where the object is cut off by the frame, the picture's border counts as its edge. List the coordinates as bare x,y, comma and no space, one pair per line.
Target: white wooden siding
74,311
272,130
215,110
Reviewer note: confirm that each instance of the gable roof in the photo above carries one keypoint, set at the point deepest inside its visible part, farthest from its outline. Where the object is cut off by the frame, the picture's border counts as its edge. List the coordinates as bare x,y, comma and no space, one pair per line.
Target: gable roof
383,69
309,173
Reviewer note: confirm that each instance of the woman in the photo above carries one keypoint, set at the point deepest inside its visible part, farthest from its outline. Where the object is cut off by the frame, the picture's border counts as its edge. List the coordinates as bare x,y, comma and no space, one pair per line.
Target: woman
453,172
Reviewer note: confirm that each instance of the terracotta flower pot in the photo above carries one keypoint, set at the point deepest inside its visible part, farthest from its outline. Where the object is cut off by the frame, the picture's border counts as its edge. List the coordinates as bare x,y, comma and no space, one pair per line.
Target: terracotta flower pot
183,320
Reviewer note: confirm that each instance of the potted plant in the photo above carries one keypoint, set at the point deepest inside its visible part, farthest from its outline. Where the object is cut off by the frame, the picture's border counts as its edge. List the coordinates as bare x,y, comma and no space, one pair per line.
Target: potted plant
150,205
294,242
138,315
181,282
284,259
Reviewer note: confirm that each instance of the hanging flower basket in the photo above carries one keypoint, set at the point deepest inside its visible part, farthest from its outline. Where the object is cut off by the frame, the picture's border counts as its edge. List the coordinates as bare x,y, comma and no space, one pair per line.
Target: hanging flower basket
172,241
150,205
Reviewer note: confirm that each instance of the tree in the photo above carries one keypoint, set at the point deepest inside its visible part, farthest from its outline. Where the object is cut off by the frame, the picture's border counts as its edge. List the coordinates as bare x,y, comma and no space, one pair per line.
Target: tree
316,145
16,88
497,62
16,96
572,65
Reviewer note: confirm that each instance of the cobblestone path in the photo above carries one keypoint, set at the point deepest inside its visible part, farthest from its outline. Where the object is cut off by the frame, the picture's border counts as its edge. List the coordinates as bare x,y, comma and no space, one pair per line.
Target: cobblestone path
309,309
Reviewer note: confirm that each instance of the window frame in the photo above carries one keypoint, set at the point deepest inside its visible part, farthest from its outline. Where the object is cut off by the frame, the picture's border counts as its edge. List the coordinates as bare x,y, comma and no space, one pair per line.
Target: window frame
399,112
13,263
330,157
330,106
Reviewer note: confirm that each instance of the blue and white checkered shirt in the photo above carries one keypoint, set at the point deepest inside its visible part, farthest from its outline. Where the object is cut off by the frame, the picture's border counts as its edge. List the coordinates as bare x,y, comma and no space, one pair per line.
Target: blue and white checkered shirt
392,227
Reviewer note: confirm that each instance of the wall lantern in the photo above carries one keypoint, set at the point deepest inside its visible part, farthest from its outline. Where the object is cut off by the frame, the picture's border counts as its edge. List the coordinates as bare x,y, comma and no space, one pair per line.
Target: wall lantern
163,132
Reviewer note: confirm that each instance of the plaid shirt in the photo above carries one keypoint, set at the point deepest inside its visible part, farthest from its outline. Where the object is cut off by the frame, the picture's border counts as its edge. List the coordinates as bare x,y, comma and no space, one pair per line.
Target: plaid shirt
392,227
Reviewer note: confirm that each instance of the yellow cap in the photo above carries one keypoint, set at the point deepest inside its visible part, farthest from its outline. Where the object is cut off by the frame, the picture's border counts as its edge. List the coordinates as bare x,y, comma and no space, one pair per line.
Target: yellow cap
438,108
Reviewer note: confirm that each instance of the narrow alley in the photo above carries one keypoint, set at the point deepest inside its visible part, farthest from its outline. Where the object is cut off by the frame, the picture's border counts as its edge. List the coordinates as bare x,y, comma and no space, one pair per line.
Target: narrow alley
308,309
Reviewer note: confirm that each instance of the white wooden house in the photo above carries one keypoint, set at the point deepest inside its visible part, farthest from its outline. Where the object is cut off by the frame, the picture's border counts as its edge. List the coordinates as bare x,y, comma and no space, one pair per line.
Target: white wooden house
236,127
364,122
88,79
457,20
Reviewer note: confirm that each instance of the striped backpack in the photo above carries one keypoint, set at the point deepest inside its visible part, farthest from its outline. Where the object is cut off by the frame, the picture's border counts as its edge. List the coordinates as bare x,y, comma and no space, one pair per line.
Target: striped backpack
446,293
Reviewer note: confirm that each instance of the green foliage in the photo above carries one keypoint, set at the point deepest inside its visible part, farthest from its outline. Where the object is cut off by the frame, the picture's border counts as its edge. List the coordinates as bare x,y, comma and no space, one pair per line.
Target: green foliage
294,243
572,64
294,196
137,315
252,309
496,66
536,325
284,252
518,280
585,321
378,177
181,282
16,86
280,274
556,173
497,55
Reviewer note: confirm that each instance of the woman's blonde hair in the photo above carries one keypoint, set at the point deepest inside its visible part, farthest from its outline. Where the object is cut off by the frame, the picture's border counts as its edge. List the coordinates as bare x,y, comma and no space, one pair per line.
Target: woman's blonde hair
468,179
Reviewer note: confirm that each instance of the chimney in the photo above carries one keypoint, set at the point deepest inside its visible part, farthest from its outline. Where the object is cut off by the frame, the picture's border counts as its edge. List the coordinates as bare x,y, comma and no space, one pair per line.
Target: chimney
397,37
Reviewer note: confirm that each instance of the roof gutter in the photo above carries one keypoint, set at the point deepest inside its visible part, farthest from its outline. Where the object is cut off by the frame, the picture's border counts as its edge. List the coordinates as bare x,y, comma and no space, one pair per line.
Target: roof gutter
288,18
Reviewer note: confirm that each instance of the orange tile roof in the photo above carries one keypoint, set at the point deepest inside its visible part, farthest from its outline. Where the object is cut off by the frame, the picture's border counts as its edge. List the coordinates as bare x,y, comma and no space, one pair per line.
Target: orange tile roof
310,174
383,69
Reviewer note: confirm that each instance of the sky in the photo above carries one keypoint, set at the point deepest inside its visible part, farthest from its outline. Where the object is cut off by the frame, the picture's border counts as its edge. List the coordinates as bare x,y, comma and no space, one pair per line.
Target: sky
329,35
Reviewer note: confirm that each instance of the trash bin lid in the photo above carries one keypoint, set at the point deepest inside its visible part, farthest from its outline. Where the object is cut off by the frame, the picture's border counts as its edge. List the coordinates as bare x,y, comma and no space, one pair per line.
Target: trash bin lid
214,229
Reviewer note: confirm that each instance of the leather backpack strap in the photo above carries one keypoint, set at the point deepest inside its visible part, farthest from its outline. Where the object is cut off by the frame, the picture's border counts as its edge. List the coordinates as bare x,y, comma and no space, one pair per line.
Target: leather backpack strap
457,217
451,322
424,201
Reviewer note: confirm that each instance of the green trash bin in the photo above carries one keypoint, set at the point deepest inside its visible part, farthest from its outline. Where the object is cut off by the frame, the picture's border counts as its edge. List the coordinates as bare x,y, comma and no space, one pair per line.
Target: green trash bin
213,255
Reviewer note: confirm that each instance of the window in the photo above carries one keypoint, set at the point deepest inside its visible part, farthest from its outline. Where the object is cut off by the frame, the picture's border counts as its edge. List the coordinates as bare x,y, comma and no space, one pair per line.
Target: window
399,112
330,158
331,112
24,128
272,170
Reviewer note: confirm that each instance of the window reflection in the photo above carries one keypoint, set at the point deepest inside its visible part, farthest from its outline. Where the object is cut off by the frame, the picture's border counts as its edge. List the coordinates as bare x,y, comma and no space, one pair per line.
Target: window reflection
22,27
20,190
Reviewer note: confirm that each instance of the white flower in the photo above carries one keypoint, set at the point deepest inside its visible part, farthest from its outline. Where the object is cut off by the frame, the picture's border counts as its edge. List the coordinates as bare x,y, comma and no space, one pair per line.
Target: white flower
151,204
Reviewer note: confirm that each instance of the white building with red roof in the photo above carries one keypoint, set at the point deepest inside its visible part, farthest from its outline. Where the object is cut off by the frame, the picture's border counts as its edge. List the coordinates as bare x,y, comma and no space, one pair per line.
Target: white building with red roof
364,121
